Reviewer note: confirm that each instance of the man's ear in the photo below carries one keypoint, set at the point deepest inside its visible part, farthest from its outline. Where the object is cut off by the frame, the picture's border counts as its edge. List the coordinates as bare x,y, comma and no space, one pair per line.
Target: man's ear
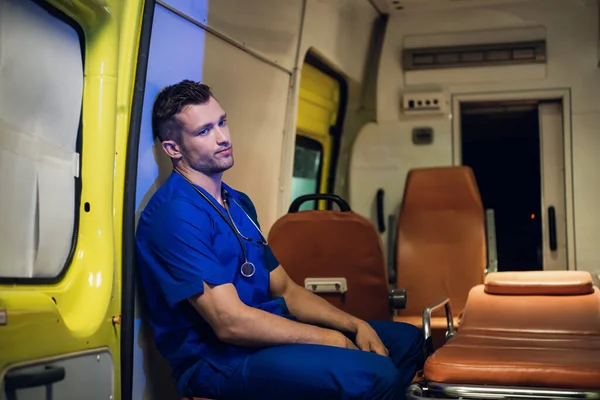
172,149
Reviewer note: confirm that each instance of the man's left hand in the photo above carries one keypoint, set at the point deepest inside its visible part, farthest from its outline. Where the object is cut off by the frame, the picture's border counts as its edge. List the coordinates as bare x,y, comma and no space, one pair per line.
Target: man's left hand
368,340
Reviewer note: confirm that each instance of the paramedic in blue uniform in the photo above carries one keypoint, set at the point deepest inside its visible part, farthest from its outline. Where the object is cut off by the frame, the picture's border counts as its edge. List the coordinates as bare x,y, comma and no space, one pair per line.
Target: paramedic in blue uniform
225,314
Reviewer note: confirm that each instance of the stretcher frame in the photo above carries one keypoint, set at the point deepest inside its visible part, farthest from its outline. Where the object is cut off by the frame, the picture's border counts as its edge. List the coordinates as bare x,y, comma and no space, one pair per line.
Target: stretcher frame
428,389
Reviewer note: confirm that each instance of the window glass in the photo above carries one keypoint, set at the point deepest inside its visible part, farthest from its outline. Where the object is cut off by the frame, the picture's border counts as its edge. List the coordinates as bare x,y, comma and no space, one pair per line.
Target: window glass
307,169
41,86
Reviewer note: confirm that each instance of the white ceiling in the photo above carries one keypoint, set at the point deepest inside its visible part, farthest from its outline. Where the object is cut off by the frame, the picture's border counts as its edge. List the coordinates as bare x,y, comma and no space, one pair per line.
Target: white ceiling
393,7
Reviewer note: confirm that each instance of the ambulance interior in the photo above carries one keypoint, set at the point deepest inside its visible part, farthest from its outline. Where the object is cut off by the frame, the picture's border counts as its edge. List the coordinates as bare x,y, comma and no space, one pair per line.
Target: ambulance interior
433,162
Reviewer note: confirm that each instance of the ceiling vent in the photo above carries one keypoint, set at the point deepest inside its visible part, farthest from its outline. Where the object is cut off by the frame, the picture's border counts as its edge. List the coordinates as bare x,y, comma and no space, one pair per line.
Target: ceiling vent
480,55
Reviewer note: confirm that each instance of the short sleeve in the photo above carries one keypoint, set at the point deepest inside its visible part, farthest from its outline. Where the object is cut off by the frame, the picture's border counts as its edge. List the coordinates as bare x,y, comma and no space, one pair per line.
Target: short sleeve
178,251
271,261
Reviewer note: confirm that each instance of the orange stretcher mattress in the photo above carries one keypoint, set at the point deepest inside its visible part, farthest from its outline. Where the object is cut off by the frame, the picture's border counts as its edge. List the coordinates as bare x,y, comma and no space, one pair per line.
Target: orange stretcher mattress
537,329
515,362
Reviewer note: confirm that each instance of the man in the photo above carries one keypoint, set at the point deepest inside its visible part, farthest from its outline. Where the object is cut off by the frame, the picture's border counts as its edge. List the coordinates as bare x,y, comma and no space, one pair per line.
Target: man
226,315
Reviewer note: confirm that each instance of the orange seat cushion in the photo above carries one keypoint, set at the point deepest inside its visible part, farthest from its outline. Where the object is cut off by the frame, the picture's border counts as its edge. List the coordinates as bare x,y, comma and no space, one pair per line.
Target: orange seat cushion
335,244
441,239
527,340
539,283
493,315
537,361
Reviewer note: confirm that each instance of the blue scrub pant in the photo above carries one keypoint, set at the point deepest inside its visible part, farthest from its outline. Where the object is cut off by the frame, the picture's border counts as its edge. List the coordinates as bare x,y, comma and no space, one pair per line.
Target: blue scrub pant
314,372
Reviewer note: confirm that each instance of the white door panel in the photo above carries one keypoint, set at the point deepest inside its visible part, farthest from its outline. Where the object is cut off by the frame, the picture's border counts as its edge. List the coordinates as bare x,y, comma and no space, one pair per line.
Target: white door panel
554,229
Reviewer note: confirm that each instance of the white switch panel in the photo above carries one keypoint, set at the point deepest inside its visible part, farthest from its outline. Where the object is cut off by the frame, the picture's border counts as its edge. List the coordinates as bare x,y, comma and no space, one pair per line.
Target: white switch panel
424,103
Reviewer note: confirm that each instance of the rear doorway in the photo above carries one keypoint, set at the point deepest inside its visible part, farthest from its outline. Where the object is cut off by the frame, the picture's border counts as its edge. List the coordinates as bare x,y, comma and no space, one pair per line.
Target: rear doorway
321,110
516,151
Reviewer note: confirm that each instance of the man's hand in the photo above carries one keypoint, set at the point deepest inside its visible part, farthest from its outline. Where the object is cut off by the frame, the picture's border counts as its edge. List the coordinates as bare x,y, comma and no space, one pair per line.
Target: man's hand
338,339
312,309
367,340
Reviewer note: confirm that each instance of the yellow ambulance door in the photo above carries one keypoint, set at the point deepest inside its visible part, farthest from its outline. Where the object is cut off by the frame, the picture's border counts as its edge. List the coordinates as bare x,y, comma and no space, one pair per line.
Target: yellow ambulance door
59,209
318,112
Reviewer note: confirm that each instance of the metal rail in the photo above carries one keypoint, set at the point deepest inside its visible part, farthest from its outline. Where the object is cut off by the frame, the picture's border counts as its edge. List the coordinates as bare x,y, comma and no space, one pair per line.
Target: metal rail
471,392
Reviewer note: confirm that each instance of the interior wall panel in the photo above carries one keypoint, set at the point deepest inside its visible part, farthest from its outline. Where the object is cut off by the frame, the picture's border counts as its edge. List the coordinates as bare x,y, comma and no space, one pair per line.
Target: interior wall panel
255,103
269,27
572,39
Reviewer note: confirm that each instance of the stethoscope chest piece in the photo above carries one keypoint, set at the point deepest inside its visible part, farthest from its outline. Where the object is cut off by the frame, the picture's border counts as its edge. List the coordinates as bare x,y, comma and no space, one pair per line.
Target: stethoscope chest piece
247,269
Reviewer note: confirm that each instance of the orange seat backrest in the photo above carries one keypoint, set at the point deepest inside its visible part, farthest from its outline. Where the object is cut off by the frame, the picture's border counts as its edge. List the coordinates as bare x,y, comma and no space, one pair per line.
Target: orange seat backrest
441,240
335,244
540,302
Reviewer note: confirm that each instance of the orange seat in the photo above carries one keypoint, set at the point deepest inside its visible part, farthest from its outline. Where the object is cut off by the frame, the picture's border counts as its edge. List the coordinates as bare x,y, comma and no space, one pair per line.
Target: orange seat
337,255
441,241
530,331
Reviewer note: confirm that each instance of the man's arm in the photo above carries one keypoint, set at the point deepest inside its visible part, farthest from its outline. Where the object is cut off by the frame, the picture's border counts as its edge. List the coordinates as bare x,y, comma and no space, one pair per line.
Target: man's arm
308,307
312,309
304,305
238,324
184,263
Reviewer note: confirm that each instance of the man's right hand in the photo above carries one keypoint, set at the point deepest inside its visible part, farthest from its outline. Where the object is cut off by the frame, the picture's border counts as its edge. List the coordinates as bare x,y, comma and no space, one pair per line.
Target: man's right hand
338,339
350,344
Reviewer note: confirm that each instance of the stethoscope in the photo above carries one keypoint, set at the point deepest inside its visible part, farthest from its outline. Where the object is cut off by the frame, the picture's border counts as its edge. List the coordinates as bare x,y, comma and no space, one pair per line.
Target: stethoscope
247,269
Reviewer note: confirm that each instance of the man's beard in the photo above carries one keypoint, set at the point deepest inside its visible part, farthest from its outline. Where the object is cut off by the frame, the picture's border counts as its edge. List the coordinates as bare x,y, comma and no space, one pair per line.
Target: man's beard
212,166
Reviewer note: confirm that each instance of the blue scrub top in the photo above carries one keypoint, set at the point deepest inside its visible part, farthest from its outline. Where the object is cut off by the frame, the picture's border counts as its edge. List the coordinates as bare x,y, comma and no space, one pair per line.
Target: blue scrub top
183,242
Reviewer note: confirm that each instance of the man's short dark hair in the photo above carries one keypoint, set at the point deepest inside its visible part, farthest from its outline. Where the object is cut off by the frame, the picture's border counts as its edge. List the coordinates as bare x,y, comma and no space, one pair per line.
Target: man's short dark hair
170,101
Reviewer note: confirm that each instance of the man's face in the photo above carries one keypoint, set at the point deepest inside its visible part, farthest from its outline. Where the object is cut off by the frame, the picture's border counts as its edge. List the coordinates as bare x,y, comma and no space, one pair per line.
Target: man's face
205,143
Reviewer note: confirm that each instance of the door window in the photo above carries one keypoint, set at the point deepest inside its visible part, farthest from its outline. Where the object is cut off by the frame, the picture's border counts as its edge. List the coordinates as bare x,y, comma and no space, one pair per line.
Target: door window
41,88
308,166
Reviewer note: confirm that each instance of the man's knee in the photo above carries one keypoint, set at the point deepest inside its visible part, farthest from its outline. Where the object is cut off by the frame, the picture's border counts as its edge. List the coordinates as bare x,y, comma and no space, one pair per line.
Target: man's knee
415,335
376,378
417,349
401,330
386,385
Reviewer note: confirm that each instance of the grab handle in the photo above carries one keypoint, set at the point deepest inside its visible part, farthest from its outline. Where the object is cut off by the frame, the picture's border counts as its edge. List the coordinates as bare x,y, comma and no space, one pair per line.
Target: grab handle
295,206
552,228
380,217
16,380
427,323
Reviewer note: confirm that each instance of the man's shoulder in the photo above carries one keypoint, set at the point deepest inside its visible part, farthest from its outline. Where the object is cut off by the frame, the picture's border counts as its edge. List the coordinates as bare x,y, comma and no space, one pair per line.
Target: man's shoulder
171,203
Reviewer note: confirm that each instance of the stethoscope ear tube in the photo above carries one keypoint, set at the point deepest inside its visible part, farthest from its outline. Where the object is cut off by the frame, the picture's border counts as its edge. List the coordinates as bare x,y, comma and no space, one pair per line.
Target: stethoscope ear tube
226,198
247,269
